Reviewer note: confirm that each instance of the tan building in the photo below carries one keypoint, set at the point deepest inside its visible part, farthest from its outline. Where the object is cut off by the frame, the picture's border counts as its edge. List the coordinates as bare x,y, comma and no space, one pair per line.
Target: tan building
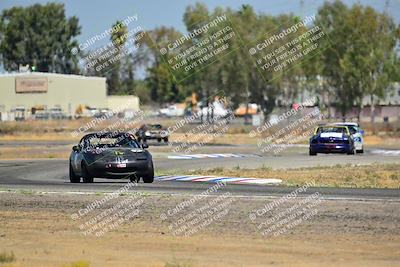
28,92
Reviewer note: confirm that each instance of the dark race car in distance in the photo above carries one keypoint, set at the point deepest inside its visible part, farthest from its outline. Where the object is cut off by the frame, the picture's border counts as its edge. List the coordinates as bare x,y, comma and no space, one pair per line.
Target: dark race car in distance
110,155
331,139
152,132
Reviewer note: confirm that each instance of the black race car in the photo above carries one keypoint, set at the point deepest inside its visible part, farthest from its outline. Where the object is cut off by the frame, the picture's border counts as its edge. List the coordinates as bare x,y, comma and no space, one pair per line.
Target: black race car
110,155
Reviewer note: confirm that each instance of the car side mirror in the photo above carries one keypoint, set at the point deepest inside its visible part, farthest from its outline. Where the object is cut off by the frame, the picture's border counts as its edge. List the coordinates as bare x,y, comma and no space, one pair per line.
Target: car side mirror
75,148
145,145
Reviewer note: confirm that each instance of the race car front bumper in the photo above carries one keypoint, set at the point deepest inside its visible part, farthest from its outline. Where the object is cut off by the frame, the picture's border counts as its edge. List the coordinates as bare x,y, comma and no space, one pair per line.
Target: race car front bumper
118,170
331,148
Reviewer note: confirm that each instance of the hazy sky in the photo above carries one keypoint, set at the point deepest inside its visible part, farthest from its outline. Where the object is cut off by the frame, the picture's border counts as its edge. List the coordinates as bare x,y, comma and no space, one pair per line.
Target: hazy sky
95,16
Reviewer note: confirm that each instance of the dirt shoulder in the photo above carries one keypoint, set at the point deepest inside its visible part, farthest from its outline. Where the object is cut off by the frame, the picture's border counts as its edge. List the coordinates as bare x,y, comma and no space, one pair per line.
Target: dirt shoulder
39,230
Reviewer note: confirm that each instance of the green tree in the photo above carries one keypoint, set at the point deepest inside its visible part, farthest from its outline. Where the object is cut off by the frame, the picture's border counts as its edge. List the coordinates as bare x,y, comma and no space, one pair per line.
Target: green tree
376,40
128,76
236,74
361,61
333,18
358,59
160,80
41,36
118,38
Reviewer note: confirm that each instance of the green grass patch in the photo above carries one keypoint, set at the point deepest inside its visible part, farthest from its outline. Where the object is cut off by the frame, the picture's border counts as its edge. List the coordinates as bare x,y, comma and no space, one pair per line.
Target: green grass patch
6,257
78,264
176,264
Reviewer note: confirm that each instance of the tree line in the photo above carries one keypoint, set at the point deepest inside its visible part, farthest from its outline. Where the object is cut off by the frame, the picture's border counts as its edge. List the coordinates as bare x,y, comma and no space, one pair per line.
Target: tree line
360,58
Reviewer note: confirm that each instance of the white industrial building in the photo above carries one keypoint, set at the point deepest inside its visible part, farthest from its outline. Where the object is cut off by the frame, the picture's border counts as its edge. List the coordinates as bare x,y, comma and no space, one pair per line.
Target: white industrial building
22,94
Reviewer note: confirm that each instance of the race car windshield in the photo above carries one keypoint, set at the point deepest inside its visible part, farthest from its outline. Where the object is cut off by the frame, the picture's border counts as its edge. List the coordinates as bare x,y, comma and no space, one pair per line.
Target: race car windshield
353,129
118,141
155,127
331,130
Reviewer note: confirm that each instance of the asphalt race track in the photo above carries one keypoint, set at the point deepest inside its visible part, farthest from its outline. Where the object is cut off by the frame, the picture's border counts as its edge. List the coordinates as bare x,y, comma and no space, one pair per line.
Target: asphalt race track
51,175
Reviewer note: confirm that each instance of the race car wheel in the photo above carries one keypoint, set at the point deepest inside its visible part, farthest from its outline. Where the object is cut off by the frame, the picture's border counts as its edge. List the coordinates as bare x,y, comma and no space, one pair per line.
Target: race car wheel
351,152
87,178
165,139
134,178
312,153
159,140
72,176
360,151
149,178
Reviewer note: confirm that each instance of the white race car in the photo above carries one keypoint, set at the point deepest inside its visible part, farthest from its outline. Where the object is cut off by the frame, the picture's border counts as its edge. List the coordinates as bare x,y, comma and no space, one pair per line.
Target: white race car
357,134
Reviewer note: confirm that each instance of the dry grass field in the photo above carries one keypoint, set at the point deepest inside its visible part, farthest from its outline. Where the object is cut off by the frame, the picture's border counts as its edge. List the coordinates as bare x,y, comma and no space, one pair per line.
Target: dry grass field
365,176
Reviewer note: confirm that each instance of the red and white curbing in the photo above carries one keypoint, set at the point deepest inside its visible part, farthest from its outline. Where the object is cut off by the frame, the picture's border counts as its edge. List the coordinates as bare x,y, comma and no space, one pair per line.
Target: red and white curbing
215,179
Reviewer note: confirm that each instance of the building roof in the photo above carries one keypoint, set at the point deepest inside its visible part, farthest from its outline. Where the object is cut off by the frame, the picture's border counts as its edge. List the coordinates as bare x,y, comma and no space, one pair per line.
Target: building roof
47,74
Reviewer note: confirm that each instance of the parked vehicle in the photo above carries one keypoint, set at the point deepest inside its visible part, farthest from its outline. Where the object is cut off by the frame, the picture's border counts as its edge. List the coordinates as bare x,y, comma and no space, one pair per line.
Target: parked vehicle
175,110
217,109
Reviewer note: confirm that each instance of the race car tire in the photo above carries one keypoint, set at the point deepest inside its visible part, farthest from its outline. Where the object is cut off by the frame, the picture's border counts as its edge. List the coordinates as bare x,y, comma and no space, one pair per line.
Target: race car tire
351,152
149,178
86,177
159,140
133,178
165,139
312,153
361,151
72,176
